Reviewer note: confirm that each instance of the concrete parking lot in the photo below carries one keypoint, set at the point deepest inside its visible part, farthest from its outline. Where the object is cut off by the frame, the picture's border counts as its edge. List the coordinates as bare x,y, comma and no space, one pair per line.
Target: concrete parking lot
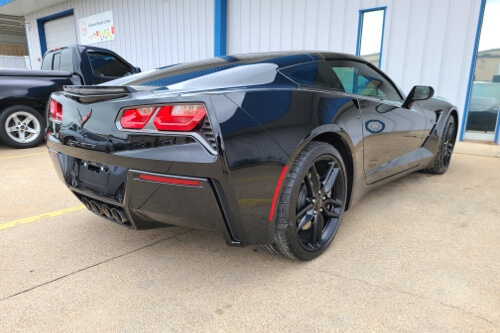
419,254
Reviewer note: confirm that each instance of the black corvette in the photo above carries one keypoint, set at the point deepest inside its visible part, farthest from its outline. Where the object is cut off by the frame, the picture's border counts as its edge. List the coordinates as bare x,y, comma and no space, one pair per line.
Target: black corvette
271,149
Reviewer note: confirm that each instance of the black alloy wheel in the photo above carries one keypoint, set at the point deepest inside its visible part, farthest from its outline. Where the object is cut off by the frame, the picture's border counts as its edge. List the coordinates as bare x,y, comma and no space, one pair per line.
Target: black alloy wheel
445,147
311,204
449,142
320,203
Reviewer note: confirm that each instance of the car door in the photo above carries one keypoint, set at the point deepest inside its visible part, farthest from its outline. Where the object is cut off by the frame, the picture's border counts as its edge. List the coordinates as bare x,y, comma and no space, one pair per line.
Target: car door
392,134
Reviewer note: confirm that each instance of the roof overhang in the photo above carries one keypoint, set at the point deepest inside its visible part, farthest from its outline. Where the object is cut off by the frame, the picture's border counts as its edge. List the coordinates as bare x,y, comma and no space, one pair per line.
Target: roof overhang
23,7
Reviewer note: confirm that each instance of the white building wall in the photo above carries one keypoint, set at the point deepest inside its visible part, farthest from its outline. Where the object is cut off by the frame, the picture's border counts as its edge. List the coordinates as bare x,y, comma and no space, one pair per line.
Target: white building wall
12,62
148,33
428,42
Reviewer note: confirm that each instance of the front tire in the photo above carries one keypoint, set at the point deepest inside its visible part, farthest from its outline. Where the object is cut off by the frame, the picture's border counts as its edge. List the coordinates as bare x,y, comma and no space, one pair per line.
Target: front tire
21,126
311,203
445,147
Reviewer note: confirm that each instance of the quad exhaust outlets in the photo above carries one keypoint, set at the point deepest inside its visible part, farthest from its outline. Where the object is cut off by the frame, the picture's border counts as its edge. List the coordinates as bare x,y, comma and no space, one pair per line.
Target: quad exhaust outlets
119,215
113,213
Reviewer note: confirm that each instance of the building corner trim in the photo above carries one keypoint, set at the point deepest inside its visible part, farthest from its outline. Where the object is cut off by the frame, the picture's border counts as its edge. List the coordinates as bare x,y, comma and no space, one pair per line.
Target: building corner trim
220,27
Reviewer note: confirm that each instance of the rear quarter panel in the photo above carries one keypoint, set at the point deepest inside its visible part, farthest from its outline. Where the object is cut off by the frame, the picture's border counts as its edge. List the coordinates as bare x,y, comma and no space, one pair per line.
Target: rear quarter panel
283,122
32,91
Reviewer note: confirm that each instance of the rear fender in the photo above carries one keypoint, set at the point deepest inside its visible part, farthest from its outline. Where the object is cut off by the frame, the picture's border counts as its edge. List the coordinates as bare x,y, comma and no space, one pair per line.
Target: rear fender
31,102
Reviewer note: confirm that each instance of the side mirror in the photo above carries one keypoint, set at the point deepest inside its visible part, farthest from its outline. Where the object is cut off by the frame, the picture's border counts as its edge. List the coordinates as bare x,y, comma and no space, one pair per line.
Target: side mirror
418,93
137,70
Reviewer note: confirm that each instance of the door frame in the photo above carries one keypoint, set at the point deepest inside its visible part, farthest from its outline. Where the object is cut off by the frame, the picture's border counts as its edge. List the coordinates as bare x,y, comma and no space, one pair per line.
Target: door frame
471,78
41,27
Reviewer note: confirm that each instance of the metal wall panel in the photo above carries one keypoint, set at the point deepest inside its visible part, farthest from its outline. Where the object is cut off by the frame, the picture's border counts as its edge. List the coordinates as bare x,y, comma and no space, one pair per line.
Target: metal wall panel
148,33
425,42
12,62
60,32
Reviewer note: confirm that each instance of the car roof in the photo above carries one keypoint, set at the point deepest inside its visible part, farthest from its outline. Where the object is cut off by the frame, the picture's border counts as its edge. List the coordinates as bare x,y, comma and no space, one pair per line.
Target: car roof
164,76
286,58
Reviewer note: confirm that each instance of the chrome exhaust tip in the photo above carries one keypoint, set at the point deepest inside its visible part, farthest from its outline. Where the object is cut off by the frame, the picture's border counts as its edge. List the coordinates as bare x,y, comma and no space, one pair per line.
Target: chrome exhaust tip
107,211
96,208
119,215
86,203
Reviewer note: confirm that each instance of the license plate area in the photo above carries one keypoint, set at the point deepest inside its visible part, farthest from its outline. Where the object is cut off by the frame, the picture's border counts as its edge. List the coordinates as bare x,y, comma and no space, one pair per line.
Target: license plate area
93,174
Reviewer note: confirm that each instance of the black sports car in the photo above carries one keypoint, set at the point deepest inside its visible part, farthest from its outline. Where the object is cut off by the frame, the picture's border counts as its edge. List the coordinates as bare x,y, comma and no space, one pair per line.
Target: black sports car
271,149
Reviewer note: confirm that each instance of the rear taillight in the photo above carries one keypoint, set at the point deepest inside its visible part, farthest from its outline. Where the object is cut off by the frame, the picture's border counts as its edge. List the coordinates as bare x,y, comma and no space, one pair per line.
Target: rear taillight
56,111
179,117
136,118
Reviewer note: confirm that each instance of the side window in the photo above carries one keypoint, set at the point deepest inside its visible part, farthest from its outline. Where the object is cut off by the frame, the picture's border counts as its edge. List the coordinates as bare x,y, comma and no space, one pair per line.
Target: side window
105,64
47,62
358,78
66,60
316,73
57,61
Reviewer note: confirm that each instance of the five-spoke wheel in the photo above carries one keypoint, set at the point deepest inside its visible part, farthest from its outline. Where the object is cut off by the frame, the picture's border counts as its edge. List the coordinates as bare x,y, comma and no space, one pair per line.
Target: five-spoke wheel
320,203
445,147
21,126
312,202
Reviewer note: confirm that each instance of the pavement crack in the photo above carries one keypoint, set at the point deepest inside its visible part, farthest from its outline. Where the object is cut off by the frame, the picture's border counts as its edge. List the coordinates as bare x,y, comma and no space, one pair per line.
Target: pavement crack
94,265
402,291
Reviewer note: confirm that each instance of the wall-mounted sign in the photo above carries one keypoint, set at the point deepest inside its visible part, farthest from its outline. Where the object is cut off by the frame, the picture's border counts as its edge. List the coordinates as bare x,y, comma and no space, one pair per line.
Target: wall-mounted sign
97,28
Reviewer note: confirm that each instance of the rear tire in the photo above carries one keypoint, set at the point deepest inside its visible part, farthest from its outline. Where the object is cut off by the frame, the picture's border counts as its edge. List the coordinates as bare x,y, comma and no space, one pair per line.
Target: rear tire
445,147
311,203
21,126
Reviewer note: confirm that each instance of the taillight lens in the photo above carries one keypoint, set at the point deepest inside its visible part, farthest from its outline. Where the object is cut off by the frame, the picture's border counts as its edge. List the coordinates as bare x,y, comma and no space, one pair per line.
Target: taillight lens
136,118
56,111
179,117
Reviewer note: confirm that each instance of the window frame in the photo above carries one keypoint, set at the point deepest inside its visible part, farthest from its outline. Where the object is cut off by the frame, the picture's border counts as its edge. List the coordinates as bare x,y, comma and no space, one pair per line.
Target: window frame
379,72
118,58
355,60
360,31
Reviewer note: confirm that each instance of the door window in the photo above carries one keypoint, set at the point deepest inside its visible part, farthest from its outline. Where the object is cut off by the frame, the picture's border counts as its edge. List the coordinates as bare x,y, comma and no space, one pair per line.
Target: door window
106,64
316,73
484,99
358,78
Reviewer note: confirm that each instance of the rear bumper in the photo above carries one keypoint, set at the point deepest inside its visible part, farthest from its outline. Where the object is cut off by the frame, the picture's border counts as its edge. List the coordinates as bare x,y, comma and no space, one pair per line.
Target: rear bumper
149,203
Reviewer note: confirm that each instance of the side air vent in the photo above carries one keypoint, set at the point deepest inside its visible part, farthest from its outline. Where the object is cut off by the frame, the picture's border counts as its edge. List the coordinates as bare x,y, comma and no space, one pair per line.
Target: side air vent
226,211
206,129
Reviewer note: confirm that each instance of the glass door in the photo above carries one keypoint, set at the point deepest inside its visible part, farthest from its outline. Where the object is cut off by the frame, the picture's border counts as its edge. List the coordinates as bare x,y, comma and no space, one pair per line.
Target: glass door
484,100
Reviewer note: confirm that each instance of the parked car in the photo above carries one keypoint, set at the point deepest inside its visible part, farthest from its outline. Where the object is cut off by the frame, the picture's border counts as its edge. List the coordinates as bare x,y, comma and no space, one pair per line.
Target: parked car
24,93
270,149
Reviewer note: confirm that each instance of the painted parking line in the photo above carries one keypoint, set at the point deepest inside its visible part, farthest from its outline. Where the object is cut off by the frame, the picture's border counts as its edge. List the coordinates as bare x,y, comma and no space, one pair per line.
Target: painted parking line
35,218
25,155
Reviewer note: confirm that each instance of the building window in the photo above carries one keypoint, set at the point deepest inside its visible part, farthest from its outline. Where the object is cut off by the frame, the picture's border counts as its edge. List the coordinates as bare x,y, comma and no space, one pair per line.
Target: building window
371,35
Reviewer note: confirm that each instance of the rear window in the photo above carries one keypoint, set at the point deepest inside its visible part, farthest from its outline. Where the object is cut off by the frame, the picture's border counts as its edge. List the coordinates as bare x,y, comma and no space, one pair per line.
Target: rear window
106,64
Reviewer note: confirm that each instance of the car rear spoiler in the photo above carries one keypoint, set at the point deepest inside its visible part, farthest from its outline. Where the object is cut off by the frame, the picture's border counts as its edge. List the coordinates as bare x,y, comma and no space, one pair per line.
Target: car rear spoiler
90,94
99,90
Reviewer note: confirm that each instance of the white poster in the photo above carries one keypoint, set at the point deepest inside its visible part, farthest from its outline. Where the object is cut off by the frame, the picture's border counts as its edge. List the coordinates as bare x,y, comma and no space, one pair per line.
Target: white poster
97,28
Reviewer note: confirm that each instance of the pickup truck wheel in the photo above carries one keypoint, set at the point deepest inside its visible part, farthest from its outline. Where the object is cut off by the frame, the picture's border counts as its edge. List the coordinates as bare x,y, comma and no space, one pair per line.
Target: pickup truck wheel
21,126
